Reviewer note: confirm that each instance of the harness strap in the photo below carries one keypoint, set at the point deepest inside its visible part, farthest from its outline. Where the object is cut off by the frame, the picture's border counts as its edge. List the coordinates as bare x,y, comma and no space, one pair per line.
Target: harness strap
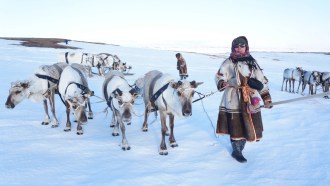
82,87
158,93
53,80
105,92
66,57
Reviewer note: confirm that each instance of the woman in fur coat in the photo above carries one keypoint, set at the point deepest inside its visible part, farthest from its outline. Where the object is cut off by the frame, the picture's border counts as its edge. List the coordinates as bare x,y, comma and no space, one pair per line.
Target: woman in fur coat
239,113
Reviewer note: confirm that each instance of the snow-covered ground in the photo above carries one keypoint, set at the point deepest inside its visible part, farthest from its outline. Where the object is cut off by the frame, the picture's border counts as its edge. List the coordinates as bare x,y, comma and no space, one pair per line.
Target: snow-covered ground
295,149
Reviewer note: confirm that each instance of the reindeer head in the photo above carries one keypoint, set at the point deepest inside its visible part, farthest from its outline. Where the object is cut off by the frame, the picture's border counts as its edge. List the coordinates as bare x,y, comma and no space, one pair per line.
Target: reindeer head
18,92
78,105
317,77
185,91
123,103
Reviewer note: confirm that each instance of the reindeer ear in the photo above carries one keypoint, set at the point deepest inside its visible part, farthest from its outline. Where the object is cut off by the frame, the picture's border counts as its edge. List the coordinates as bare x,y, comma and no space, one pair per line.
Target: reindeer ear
25,84
133,92
194,84
117,92
174,85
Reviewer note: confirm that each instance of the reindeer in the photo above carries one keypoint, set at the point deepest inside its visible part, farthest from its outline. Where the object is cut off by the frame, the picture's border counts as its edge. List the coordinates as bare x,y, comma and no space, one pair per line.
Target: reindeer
119,65
312,79
85,59
120,98
74,92
325,82
41,86
170,98
292,75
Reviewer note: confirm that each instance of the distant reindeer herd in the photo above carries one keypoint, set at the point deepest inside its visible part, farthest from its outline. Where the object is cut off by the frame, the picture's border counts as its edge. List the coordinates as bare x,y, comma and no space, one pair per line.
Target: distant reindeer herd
101,61
311,78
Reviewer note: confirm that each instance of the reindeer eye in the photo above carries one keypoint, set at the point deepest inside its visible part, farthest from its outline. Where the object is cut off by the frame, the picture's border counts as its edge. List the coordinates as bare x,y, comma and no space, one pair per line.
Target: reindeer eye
120,102
179,93
132,101
18,91
74,106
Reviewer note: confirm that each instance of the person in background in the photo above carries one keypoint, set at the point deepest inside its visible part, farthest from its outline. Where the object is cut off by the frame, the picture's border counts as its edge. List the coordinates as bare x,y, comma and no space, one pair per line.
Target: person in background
181,65
239,112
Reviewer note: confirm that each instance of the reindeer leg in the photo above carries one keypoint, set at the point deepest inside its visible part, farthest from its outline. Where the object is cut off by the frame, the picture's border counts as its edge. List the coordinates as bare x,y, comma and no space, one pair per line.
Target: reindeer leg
286,85
52,107
171,138
145,122
47,118
298,87
68,122
90,112
113,120
315,89
90,71
289,85
293,86
79,128
103,71
163,148
303,86
124,142
282,84
115,131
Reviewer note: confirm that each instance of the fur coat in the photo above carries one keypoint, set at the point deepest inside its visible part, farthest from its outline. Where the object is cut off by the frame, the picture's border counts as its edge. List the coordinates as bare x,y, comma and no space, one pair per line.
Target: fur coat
238,115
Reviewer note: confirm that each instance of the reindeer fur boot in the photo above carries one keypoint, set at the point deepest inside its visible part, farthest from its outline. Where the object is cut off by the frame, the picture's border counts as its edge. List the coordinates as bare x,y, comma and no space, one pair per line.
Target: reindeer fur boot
238,146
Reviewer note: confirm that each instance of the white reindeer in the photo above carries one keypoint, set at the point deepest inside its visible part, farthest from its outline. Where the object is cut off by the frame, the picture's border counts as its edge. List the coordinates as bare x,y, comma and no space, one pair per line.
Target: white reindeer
292,75
40,87
171,98
312,78
74,92
120,98
86,59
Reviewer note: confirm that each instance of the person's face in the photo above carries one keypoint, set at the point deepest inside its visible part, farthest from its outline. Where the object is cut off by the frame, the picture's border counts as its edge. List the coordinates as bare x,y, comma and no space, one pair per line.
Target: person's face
240,48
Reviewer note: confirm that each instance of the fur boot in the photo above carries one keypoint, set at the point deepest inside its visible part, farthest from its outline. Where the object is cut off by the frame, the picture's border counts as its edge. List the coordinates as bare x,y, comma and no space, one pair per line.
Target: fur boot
238,146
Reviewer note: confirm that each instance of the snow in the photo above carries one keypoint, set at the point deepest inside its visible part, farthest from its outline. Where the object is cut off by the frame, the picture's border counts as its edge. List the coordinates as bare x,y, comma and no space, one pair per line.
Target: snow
294,150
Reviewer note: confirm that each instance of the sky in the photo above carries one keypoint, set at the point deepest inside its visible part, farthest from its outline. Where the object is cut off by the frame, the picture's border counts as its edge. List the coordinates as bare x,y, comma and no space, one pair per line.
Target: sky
294,149
274,25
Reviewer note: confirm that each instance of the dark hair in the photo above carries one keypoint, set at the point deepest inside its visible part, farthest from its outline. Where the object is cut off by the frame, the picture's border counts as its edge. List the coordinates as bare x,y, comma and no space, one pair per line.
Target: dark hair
177,55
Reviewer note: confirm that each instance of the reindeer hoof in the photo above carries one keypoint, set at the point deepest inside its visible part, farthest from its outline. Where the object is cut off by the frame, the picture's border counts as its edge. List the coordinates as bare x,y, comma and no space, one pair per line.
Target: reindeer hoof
129,123
126,148
80,133
54,126
67,129
44,123
112,126
174,145
90,115
115,134
163,152
144,129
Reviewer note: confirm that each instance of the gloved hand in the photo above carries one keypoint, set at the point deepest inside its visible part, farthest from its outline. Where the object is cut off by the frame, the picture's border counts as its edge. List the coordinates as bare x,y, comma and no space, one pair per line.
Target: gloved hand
267,103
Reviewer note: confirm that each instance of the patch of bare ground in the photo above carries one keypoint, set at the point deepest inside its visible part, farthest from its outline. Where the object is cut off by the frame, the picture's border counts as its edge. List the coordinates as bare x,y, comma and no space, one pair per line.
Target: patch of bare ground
44,42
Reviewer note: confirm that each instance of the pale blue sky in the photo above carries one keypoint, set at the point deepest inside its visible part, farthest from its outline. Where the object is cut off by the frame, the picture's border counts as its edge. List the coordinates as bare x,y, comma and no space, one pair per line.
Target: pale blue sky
299,25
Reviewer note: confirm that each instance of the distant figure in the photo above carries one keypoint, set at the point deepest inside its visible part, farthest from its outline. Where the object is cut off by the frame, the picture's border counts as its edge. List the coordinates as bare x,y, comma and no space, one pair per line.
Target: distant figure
181,65
66,41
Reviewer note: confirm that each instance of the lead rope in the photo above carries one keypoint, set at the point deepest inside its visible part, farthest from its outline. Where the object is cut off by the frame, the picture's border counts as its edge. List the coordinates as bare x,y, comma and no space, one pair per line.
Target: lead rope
214,131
